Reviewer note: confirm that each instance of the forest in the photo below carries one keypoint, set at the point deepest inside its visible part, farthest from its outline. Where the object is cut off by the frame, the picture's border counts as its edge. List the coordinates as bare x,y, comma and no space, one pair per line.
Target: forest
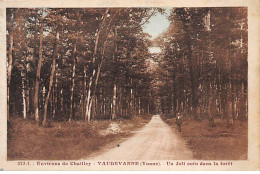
86,64
203,65
80,64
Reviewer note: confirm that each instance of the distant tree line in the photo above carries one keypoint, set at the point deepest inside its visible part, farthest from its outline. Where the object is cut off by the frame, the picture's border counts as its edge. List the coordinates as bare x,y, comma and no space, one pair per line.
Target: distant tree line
203,66
78,64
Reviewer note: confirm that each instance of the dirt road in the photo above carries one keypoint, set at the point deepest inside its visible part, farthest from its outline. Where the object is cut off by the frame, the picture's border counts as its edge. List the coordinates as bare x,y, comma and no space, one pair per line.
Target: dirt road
155,141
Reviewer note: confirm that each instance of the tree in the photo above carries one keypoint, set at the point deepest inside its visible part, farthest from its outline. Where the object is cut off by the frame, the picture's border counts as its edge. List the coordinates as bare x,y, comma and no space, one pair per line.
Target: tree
38,75
10,58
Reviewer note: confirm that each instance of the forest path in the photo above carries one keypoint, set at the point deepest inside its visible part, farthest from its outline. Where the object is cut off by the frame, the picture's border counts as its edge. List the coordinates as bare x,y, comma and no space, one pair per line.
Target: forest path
155,141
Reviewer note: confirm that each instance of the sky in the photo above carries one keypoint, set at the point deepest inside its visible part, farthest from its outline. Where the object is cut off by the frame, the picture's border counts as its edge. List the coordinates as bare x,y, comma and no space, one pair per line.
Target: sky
157,24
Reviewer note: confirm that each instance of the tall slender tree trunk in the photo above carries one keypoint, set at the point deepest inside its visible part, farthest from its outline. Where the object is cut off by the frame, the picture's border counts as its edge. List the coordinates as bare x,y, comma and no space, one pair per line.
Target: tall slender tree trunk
233,92
43,94
73,77
9,71
115,75
88,105
94,105
49,93
51,100
119,105
84,90
27,89
55,95
233,101
24,94
229,101
38,76
62,102
135,104
95,85
229,71
104,103
89,109
139,105
59,91
148,108
28,99
209,98
51,80
246,103
114,103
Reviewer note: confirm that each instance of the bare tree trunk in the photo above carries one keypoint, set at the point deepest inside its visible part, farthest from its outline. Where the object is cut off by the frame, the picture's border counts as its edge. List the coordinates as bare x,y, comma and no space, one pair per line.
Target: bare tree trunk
88,105
53,98
94,97
73,78
55,95
148,108
23,95
28,100
119,105
104,103
229,104
95,86
209,100
114,74
233,101
139,105
84,90
62,103
89,111
229,85
114,103
131,97
9,72
43,93
51,81
135,105
27,91
48,95
38,76
233,96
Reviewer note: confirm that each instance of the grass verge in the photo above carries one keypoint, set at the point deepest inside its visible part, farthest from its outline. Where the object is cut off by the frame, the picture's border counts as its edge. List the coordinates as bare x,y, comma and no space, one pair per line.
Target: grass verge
214,143
65,140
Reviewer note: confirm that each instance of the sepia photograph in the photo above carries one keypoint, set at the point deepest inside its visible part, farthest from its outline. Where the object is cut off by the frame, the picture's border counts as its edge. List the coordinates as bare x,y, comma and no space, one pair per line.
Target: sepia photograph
172,83
127,86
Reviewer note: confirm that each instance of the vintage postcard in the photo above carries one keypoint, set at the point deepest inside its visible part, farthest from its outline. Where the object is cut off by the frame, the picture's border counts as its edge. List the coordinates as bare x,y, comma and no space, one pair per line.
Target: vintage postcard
130,85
